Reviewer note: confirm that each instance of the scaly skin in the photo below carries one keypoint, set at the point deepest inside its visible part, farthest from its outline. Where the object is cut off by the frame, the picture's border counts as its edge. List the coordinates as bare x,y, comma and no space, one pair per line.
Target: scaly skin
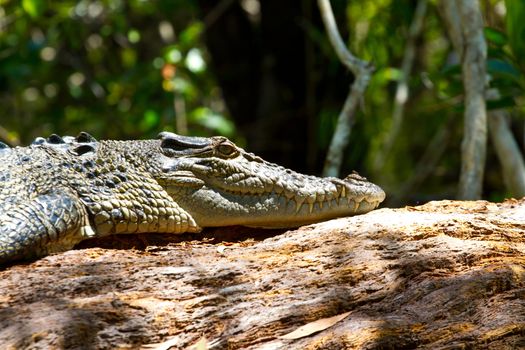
58,192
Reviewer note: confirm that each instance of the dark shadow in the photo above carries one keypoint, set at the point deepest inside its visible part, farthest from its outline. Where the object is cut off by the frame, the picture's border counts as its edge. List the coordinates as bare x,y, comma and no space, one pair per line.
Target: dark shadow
211,235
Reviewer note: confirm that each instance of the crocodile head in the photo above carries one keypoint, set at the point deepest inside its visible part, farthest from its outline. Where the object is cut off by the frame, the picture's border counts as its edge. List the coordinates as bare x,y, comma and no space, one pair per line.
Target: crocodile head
220,184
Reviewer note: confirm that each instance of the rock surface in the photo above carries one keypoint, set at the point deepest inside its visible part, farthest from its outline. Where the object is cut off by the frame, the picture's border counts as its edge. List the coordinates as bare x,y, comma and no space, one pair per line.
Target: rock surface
445,275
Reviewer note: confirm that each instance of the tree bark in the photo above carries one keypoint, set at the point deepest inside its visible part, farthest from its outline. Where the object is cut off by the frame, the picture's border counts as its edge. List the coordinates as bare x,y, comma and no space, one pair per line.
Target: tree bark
443,275
473,63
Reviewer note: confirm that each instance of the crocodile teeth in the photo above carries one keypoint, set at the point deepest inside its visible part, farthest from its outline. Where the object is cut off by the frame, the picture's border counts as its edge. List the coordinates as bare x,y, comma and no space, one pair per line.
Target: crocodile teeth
299,203
289,194
320,200
311,200
341,193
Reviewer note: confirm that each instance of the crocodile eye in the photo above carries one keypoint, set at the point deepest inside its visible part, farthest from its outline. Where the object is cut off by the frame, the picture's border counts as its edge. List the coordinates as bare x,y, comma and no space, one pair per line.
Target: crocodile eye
226,149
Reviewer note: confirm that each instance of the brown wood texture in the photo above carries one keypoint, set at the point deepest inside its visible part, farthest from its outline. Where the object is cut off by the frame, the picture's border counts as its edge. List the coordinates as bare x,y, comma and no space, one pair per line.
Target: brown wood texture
445,275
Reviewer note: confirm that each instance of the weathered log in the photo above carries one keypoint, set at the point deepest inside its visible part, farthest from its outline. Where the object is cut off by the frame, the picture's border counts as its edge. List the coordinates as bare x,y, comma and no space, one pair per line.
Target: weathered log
445,275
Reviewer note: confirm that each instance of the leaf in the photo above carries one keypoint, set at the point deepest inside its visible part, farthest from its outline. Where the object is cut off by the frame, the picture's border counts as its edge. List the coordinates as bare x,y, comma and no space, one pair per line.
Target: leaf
165,345
516,28
314,327
503,69
33,8
202,344
495,36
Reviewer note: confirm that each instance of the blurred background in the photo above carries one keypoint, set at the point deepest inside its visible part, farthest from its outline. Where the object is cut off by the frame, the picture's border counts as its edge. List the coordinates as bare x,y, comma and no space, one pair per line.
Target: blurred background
262,73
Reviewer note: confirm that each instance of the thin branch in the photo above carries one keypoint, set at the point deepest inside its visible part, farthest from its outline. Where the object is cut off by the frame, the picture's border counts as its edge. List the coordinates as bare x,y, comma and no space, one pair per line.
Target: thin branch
362,71
402,91
508,151
353,63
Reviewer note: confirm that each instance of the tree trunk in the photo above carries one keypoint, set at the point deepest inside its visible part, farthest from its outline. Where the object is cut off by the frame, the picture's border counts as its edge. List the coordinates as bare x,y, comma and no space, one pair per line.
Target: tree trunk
473,71
443,275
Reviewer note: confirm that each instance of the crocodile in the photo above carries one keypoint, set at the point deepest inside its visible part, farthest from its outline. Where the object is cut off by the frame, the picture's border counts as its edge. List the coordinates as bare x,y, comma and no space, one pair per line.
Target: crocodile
59,191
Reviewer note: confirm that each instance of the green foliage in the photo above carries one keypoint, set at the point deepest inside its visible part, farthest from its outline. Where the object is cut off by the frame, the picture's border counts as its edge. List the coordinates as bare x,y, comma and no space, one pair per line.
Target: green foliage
515,26
503,63
71,65
495,36
33,8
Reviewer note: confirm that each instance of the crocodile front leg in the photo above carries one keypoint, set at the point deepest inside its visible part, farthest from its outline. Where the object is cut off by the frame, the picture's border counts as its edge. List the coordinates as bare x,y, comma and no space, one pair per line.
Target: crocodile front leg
48,223
146,214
